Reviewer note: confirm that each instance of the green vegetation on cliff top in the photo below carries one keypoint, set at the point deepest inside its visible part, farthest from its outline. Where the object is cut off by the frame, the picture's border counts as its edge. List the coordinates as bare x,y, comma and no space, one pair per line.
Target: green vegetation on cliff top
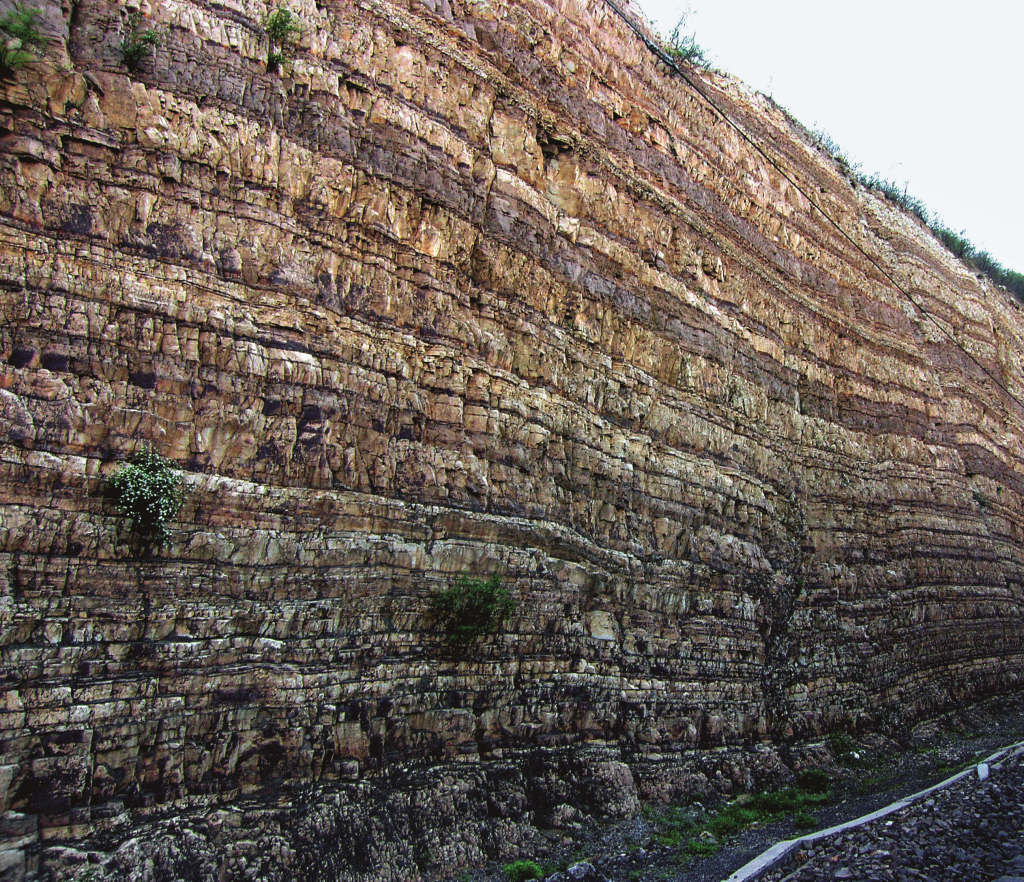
683,48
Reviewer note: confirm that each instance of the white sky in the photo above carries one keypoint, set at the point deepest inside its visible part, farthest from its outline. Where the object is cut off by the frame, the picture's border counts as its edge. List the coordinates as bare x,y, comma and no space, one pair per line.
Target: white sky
930,94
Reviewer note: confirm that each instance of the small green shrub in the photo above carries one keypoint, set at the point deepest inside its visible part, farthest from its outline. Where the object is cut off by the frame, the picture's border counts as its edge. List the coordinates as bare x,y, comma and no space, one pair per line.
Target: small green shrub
138,42
840,742
471,608
523,871
148,491
957,243
21,40
283,29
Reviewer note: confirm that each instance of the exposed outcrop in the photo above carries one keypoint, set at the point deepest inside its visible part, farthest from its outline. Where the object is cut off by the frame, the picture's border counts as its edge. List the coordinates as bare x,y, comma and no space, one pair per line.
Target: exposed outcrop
468,287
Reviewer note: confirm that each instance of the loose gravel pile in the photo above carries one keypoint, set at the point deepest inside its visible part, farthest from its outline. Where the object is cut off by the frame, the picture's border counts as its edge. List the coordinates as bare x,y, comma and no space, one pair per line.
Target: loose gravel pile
971,831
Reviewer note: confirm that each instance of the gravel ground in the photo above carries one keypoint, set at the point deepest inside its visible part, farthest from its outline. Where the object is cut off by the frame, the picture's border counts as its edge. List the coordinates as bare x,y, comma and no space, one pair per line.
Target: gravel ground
967,832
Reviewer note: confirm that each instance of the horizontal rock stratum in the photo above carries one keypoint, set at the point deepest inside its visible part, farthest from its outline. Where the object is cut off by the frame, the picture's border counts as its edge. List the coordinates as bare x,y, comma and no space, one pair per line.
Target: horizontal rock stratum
465,288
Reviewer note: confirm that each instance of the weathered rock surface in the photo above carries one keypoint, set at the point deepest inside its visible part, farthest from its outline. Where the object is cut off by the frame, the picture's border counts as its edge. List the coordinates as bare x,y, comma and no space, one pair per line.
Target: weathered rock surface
470,287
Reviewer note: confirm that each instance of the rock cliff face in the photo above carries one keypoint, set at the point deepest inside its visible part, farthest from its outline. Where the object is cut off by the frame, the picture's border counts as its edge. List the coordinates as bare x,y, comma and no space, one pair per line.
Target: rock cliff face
469,287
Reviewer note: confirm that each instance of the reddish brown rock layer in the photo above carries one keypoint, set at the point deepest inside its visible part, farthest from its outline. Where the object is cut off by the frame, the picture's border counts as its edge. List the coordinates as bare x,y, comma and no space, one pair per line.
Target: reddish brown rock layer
469,289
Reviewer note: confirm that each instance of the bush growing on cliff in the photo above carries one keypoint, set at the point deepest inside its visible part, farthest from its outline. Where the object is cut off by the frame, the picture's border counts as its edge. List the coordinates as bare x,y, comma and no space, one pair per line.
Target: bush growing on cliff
684,47
148,491
471,608
21,40
283,29
138,42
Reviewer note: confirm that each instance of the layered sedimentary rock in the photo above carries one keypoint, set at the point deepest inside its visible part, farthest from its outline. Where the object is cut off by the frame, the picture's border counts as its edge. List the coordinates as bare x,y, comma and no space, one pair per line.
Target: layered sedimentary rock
466,288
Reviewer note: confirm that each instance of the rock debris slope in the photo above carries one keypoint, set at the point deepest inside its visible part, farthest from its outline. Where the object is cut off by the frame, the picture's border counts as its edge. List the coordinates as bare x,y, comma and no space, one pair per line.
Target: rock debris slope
467,287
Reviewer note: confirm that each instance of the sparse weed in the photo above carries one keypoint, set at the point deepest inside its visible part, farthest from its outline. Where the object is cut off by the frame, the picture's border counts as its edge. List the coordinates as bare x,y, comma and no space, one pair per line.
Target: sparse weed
675,823
823,140
845,750
702,847
957,243
870,784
